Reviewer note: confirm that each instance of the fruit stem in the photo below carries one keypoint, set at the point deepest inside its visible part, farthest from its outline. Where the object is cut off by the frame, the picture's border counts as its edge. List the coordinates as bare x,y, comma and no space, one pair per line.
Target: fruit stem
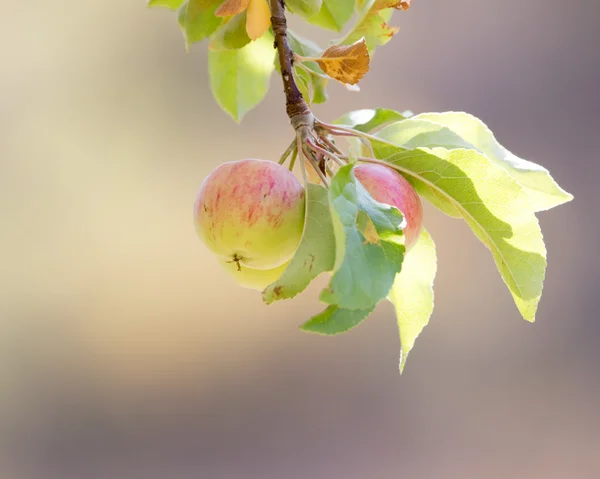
315,164
297,110
293,160
326,153
339,130
288,152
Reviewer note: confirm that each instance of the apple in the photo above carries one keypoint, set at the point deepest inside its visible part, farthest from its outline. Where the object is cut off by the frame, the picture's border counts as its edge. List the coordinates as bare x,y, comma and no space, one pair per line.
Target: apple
388,186
251,212
251,278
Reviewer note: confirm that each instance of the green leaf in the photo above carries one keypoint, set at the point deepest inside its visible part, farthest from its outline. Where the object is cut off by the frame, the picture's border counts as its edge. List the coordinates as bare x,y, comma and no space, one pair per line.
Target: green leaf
239,79
369,120
171,4
304,47
304,82
319,86
412,293
315,88
335,320
364,271
304,8
544,192
334,14
197,19
316,253
373,24
231,35
492,203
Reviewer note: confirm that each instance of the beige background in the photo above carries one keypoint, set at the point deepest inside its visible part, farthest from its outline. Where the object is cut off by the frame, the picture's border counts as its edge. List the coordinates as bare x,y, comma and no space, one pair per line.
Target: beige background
125,352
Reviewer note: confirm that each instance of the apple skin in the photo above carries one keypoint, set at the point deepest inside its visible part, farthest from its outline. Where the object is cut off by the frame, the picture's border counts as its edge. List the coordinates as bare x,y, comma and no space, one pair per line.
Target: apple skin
251,278
388,186
251,212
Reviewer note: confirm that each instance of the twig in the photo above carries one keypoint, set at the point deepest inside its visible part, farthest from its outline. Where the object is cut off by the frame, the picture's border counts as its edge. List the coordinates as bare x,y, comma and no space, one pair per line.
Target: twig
297,110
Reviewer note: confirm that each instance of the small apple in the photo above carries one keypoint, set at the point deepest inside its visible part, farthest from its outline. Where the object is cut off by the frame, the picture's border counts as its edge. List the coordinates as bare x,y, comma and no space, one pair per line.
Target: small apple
251,278
251,212
388,186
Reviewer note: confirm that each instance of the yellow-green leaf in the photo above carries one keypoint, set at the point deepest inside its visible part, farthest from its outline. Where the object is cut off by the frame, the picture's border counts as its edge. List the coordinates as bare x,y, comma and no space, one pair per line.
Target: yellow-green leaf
239,79
412,293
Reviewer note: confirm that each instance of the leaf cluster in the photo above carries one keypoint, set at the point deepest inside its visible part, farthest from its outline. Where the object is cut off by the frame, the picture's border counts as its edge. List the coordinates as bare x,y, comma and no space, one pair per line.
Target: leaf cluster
454,161
241,59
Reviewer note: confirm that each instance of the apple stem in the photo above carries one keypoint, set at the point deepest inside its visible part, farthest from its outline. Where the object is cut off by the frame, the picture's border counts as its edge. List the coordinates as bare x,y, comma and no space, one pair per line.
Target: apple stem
288,152
315,164
293,160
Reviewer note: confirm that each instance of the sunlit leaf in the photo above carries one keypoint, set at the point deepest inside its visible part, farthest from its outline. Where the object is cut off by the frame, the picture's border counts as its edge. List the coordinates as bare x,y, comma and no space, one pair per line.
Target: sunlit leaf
492,203
197,19
412,293
373,24
544,192
239,79
304,8
334,14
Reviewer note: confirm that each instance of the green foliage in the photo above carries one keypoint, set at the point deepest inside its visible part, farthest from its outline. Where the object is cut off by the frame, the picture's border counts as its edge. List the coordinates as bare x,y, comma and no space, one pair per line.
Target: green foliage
198,22
231,35
372,25
239,79
335,320
310,76
364,270
492,203
334,14
305,8
197,19
471,132
316,253
412,293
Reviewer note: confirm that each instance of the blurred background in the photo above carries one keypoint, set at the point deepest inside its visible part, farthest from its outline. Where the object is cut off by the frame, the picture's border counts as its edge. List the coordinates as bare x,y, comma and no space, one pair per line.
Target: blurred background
126,352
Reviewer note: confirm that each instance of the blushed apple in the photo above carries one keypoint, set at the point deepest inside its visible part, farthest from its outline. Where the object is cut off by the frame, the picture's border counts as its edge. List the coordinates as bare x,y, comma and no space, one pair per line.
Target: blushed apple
251,212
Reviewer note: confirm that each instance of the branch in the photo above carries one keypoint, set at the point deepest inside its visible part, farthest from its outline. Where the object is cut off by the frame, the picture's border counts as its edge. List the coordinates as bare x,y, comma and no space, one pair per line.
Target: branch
296,108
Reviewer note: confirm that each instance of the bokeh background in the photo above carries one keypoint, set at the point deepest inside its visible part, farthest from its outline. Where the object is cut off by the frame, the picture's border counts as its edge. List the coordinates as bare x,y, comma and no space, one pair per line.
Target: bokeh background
126,352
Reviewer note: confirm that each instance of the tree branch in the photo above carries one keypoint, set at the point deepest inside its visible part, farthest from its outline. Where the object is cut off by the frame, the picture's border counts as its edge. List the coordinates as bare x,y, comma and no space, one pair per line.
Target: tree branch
296,108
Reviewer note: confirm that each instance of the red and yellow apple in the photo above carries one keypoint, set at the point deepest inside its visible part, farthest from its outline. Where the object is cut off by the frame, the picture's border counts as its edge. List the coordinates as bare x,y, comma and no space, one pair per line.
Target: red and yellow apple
251,213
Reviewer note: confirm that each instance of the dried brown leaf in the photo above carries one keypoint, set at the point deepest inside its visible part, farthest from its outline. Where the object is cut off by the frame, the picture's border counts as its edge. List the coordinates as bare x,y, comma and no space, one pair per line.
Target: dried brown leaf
346,63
